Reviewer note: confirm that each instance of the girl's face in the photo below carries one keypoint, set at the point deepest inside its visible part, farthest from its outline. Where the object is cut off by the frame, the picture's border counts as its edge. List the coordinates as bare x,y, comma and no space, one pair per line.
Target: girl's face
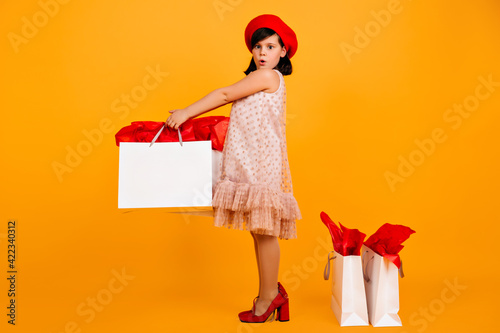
267,52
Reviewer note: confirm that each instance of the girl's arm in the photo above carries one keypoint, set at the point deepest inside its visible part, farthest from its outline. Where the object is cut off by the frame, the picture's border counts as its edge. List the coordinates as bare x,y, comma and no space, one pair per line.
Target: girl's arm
259,80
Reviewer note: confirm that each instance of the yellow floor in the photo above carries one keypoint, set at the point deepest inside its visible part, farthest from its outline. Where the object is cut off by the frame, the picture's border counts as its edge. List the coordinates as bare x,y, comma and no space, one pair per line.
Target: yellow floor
138,283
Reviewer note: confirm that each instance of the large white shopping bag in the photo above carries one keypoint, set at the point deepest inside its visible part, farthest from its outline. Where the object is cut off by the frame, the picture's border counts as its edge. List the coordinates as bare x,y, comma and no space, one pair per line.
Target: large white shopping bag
382,289
166,174
348,290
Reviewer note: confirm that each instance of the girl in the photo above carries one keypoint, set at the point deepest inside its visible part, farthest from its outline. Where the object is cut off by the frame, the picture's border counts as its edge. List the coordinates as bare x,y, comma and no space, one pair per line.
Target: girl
254,191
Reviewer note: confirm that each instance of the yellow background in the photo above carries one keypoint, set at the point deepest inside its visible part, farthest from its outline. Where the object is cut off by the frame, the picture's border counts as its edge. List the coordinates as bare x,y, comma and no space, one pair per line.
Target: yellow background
351,119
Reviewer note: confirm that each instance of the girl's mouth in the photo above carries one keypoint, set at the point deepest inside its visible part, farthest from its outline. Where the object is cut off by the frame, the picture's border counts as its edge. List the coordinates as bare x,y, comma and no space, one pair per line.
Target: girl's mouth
262,62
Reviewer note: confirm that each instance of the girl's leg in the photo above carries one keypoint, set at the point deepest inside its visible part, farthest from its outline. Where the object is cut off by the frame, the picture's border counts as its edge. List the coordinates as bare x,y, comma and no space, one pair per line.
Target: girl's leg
256,247
268,261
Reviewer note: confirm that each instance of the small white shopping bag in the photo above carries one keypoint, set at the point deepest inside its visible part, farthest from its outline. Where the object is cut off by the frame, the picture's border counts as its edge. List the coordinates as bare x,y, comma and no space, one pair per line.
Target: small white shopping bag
382,289
166,174
348,290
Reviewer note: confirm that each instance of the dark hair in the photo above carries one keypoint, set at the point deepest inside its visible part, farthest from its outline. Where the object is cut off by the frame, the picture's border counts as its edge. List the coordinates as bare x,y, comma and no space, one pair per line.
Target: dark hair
284,66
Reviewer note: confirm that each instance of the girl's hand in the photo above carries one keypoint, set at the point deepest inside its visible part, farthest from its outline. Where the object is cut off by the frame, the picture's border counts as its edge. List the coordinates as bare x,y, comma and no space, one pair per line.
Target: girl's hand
177,118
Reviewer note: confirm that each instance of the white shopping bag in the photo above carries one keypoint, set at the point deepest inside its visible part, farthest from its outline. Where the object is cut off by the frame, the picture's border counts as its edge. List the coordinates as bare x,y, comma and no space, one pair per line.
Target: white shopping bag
166,174
348,290
382,289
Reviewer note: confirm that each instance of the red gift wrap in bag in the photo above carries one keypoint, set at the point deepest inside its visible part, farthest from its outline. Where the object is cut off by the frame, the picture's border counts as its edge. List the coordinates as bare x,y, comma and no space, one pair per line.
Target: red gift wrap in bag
211,128
387,241
346,242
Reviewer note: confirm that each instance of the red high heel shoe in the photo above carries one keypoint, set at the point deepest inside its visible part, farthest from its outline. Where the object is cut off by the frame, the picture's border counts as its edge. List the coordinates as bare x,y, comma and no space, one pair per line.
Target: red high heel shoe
279,308
281,289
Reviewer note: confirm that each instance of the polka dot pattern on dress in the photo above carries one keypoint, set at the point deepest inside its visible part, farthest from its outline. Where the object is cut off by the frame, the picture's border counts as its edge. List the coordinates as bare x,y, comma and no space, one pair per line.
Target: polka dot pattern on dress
255,190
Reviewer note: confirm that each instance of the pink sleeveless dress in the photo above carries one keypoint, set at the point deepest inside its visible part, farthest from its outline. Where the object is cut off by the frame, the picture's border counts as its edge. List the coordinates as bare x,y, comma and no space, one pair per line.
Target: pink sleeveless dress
254,191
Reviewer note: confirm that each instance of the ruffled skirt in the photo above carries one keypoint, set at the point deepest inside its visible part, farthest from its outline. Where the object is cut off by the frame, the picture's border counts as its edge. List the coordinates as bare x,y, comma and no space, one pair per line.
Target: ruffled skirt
256,208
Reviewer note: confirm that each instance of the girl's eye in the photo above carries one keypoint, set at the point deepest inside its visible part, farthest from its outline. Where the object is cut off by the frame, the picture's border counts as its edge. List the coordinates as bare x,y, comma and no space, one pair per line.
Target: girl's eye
257,46
270,47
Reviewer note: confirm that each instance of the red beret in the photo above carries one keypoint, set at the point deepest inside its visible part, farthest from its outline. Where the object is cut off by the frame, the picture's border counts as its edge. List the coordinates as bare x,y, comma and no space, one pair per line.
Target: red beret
275,23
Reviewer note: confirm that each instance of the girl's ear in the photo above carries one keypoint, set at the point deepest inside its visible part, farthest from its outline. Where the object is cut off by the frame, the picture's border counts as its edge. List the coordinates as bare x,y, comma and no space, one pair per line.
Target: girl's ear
283,52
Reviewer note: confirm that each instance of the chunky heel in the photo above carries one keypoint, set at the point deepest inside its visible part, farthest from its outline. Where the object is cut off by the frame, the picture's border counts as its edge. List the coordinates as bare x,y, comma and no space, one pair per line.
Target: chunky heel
278,309
283,312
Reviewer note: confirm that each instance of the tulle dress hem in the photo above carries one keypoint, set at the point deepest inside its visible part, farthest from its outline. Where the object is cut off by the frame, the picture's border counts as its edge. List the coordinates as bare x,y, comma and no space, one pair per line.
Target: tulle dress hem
256,208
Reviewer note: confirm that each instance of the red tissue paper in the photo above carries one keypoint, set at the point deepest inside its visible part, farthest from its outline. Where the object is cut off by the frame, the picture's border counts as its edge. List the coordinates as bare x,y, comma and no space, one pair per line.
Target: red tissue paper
346,242
387,241
211,128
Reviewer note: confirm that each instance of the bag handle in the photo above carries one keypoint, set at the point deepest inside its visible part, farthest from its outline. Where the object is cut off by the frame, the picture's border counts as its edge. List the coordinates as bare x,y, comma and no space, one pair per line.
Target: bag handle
161,129
365,274
365,267
326,273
